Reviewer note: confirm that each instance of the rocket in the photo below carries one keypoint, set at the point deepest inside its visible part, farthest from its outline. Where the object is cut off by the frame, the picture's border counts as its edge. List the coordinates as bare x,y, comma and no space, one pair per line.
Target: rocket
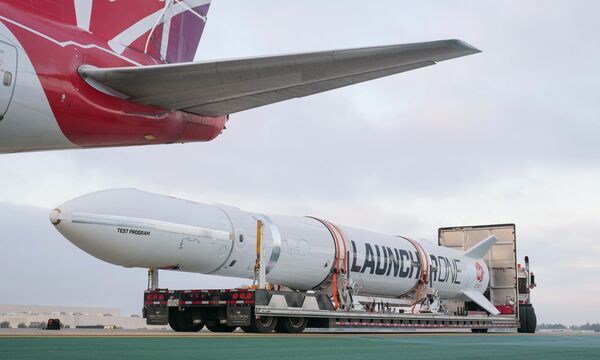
132,228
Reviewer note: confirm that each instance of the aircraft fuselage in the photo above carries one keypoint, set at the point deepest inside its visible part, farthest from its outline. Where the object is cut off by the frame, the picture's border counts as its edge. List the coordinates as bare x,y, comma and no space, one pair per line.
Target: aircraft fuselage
45,104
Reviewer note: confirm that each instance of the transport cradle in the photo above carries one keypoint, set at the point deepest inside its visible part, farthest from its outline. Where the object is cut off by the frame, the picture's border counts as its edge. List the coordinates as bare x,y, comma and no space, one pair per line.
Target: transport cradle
267,309
236,307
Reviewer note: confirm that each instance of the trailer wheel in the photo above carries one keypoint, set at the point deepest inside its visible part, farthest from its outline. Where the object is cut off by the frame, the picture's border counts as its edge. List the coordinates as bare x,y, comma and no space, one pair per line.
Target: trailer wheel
181,321
291,325
531,320
527,319
522,319
263,324
220,328
479,331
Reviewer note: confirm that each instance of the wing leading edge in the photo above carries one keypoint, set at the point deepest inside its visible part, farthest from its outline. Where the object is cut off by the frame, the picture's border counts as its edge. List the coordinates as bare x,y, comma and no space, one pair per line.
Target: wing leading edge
224,87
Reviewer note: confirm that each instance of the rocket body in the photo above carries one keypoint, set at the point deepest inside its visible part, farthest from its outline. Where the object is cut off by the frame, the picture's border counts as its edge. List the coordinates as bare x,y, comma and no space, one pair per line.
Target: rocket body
132,228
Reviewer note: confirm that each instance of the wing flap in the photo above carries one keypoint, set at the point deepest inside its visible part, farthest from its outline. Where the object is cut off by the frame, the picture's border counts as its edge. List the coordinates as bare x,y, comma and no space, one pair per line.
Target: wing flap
241,103
225,87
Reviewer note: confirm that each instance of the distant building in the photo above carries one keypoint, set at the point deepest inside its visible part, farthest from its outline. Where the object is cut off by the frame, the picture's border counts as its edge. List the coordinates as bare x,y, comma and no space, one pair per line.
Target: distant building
71,316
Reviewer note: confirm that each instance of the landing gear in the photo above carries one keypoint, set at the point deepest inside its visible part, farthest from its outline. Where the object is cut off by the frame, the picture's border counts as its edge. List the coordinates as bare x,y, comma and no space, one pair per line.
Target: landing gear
263,324
292,325
182,321
527,318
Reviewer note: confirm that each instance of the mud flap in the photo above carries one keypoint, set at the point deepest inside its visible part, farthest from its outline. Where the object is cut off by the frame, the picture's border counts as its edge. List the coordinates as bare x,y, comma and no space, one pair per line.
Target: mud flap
156,315
238,315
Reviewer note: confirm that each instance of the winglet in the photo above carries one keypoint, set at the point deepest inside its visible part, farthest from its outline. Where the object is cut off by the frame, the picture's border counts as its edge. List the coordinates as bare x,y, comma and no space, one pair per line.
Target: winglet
478,251
480,300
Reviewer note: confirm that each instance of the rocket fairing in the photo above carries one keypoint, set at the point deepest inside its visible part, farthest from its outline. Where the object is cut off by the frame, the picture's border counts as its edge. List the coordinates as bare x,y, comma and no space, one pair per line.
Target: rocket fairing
133,228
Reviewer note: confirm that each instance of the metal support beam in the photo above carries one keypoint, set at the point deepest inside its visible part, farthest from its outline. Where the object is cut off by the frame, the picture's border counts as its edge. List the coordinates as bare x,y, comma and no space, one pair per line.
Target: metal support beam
152,279
259,267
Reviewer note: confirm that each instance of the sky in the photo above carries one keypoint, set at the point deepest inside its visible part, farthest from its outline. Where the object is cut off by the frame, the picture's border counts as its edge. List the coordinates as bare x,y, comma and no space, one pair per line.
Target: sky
510,135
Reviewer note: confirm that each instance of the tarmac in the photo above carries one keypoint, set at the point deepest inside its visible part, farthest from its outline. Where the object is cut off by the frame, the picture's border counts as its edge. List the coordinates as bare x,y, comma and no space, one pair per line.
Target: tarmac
151,344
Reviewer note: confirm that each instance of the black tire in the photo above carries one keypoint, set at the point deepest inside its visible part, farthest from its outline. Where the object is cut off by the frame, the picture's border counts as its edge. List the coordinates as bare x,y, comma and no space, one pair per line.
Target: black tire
531,320
221,328
531,323
479,331
522,319
181,321
263,324
174,322
248,329
527,319
291,325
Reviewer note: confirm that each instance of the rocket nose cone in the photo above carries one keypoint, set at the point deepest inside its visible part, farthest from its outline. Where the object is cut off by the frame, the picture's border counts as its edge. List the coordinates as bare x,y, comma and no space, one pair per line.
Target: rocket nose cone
82,222
55,216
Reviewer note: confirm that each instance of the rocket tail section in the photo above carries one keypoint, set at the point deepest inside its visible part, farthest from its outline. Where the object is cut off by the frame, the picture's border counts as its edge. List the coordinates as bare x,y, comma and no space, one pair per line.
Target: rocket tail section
480,300
478,251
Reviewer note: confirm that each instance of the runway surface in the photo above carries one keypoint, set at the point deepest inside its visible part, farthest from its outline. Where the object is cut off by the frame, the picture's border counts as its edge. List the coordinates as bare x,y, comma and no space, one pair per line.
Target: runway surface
77,344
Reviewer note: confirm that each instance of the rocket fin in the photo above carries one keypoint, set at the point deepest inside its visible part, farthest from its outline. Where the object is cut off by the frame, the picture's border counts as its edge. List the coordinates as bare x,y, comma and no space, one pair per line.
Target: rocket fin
478,251
480,300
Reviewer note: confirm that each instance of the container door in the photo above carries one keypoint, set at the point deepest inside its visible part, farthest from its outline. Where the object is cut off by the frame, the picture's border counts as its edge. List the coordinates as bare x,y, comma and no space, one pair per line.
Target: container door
8,72
501,260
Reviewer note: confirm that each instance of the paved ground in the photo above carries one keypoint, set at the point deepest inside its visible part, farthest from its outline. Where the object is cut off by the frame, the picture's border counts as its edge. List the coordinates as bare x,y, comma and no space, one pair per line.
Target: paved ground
170,333
146,345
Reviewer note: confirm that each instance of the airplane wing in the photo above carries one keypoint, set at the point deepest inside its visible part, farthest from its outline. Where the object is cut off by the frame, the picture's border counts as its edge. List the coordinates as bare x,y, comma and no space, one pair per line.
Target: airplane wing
220,88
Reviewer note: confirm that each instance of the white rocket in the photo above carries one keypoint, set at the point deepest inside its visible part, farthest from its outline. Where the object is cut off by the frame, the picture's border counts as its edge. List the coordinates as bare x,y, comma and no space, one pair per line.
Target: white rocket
132,228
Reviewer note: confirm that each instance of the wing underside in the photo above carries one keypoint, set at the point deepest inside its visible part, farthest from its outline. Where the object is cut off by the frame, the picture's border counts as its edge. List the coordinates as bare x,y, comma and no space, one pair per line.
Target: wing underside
220,88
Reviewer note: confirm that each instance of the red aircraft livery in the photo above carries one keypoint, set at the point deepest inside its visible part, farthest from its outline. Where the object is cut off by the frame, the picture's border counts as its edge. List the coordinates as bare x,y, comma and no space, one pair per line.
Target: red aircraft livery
98,73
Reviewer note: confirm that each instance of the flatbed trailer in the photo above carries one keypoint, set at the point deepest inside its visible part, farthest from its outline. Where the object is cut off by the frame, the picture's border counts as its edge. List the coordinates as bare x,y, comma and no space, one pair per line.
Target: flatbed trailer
288,311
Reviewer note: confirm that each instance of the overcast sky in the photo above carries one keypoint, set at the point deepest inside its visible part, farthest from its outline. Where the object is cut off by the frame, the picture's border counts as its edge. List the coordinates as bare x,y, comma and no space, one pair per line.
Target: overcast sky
508,135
